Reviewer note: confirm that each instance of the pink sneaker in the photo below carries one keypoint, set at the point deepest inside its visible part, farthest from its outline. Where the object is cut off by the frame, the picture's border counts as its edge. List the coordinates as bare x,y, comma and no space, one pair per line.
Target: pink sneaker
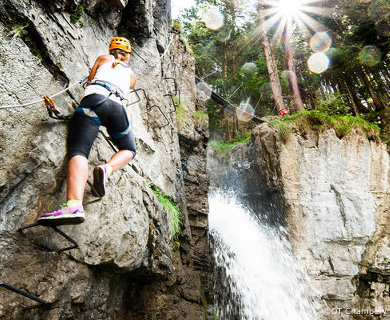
63,216
100,178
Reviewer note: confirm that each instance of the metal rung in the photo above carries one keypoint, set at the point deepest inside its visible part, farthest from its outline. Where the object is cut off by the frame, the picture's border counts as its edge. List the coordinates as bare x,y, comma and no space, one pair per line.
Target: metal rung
25,294
175,105
172,94
63,234
149,107
174,83
156,106
138,97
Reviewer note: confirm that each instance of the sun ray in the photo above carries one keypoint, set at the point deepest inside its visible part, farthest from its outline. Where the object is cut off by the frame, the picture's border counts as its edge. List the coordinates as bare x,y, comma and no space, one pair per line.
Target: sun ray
271,22
274,22
278,12
304,29
317,10
311,23
278,35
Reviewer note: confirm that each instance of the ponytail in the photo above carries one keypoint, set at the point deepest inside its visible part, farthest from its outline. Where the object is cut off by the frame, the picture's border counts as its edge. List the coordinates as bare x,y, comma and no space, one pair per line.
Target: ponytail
117,53
115,63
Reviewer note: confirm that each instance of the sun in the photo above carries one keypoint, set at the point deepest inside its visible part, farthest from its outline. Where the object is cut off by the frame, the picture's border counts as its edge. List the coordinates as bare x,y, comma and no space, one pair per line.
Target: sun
279,15
289,8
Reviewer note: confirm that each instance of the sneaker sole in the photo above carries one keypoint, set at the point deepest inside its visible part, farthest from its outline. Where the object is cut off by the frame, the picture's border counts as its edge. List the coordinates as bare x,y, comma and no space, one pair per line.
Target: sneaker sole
62,220
98,183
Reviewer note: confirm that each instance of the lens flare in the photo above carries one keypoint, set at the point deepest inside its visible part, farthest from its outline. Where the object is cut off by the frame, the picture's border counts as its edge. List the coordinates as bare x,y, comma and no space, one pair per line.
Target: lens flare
318,62
332,52
320,42
249,69
286,74
212,18
224,34
203,90
383,27
378,9
245,111
369,56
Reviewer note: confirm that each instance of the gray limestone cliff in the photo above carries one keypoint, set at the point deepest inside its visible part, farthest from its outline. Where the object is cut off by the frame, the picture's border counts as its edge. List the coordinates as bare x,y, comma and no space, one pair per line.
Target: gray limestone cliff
127,265
332,194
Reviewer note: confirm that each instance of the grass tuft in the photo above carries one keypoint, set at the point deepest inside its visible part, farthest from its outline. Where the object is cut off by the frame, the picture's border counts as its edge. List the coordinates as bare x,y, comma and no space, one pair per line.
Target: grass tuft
223,148
199,117
313,120
166,200
180,110
76,16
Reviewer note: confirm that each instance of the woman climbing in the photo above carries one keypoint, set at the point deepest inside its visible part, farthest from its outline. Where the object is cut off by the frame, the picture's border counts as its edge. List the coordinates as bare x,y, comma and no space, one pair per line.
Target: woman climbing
109,82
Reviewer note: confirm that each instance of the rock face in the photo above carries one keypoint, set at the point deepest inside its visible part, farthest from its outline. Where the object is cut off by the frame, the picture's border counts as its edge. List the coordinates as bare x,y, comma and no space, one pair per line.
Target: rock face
127,265
333,195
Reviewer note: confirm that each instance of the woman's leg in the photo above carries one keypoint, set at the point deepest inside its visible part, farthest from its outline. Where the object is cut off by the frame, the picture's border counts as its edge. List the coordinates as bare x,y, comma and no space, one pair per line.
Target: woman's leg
77,177
120,159
72,212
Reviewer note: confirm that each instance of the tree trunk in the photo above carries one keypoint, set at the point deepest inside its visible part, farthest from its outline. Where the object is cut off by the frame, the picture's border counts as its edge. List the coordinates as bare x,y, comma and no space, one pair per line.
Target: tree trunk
377,102
291,75
351,97
224,61
271,65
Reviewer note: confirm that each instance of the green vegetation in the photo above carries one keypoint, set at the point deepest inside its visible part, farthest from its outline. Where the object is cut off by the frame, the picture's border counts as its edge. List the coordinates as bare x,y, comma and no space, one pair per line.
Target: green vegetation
176,24
199,117
334,104
166,200
18,30
223,148
314,120
232,60
180,110
77,15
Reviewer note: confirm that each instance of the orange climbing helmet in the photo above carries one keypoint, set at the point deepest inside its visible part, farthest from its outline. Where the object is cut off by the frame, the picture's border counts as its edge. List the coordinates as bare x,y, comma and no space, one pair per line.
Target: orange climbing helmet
120,43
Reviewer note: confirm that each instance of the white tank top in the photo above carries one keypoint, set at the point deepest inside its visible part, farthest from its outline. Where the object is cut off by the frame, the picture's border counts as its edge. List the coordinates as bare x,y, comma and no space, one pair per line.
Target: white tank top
118,76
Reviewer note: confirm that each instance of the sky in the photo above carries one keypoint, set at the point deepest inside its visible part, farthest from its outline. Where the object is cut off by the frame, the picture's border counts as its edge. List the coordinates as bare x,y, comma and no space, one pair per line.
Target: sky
179,5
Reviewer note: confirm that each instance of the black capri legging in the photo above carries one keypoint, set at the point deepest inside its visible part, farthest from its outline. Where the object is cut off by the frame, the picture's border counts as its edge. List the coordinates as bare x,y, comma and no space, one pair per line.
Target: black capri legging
86,120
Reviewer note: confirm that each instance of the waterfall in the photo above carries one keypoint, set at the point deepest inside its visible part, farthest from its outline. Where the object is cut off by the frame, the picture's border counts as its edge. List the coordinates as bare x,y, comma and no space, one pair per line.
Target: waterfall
257,276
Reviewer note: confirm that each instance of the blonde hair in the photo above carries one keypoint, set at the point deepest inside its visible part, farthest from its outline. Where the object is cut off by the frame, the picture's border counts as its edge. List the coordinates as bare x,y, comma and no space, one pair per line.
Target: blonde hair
115,63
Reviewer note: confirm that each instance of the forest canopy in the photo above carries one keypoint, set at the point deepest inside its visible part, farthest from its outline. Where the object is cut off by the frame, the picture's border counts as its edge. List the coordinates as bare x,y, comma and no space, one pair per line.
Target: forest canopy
276,57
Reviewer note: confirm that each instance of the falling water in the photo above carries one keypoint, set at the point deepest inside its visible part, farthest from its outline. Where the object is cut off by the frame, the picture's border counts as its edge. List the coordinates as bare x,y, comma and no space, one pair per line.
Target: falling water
257,276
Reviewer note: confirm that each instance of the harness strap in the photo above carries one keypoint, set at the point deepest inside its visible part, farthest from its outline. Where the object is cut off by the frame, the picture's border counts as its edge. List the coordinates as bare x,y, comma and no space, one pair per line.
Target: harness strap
121,134
85,111
112,88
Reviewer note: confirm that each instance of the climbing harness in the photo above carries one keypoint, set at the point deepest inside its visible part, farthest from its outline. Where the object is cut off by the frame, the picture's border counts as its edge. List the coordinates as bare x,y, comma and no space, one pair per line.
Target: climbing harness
112,88
88,111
